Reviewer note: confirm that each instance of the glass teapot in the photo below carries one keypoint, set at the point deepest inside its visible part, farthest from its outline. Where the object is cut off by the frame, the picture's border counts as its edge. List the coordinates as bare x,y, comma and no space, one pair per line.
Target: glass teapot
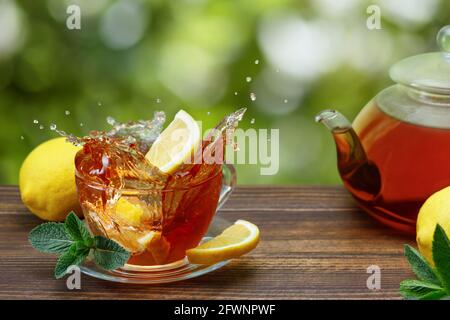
397,152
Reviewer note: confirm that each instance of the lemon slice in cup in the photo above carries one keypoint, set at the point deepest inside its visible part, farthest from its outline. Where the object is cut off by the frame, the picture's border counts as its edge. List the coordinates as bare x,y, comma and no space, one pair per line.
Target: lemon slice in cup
236,240
175,144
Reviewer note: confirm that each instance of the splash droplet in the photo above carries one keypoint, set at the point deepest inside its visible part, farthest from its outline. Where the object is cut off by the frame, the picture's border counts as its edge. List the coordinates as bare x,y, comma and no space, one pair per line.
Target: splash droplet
285,101
158,100
67,112
81,124
22,137
252,96
35,121
256,61
41,127
52,126
208,113
99,104
110,120
235,93
252,121
248,79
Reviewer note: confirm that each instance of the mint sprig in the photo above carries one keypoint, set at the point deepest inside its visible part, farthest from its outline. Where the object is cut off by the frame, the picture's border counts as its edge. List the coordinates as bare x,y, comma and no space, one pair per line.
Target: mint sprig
73,242
434,282
441,256
109,254
76,229
67,259
50,237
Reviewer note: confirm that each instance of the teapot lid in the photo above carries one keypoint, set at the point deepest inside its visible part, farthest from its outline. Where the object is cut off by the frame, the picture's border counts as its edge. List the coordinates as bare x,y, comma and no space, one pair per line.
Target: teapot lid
428,72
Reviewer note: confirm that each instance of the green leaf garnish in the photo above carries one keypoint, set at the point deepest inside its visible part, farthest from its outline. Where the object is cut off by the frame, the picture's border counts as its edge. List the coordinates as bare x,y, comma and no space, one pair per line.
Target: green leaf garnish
73,242
77,230
108,254
433,283
50,237
441,256
419,289
67,259
420,265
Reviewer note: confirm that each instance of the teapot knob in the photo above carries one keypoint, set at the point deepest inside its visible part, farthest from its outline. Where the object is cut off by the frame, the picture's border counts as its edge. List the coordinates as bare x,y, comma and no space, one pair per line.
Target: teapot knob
443,39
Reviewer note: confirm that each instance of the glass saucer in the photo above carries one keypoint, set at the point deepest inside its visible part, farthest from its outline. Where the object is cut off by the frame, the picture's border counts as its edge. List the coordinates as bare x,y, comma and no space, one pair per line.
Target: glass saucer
175,271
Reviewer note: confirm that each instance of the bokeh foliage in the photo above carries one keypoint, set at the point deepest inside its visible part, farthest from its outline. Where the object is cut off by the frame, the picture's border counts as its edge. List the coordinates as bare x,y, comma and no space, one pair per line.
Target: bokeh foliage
196,55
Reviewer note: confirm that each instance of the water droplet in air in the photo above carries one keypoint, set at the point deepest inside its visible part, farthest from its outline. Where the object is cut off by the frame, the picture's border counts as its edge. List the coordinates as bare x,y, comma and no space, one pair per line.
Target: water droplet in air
158,100
252,96
256,61
41,127
22,137
208,113
35,121
235,93
248,79
67,112
99,104
81,124
252,121
52,126
111,120
285,101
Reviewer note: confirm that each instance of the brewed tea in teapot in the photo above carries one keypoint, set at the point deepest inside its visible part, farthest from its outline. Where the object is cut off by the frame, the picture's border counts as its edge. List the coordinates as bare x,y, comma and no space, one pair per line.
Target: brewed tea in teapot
397,152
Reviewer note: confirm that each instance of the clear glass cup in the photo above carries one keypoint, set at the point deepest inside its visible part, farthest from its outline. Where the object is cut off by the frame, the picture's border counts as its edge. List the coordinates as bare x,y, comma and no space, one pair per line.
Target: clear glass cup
156,225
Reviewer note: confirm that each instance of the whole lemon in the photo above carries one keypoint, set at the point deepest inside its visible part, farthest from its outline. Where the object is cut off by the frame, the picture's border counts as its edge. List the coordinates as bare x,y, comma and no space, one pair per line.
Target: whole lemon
436,210
47,180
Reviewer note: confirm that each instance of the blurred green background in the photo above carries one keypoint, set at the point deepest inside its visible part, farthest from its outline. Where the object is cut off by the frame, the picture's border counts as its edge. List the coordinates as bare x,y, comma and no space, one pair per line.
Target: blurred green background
131,58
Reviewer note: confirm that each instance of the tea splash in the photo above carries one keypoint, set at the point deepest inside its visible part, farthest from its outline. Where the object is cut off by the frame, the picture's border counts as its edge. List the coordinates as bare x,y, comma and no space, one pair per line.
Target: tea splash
156,216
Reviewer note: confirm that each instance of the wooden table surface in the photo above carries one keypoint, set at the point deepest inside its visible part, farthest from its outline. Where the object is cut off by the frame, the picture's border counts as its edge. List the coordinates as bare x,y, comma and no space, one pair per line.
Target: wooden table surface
315,244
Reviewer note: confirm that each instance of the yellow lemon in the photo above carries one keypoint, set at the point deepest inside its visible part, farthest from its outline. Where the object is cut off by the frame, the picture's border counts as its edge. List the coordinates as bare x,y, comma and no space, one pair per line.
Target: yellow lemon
436,210
159,247
177,143
47,180
129,211
241,238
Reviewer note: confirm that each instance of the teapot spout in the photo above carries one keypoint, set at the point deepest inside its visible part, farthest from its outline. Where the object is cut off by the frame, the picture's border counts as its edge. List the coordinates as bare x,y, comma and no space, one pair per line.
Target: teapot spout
360,175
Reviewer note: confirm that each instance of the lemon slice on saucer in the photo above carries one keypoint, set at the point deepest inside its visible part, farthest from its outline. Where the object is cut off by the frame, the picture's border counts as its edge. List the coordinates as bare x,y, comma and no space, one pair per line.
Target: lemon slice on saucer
175,144
236,240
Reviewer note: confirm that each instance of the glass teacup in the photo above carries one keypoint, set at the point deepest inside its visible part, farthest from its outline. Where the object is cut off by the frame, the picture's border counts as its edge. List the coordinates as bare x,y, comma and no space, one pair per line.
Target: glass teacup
156,225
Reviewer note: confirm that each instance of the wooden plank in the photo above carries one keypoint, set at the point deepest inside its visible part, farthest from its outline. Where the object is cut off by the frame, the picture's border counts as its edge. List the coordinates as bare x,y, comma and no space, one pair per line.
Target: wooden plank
316,244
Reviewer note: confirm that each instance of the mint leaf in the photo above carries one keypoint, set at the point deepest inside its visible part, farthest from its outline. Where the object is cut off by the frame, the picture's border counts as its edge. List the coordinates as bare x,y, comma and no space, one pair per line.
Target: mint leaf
420,266
436,295
50,237
108,254
79,247
74,242
422,290
441,256
77,230
73,256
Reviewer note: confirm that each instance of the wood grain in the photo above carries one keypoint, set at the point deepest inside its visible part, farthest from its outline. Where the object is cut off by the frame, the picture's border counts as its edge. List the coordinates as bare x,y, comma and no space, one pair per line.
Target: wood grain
316,244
